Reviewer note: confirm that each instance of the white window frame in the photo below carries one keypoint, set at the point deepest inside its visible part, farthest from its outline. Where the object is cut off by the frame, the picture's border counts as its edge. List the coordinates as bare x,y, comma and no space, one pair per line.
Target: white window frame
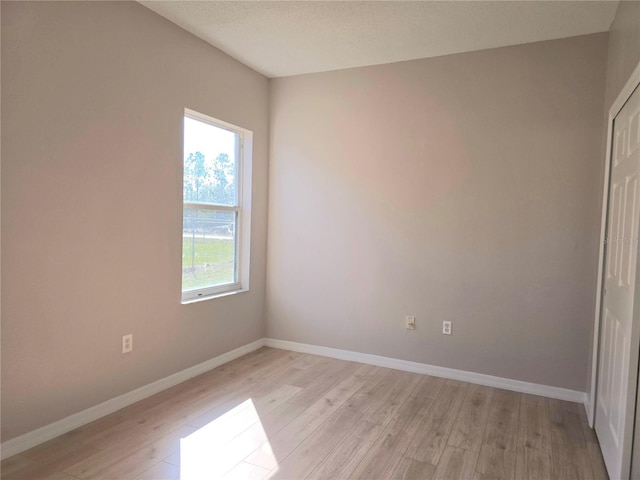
244,156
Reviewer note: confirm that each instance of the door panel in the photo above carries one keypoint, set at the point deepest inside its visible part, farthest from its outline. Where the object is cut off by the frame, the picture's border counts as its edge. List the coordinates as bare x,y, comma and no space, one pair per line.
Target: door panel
614,411
629,250
613,250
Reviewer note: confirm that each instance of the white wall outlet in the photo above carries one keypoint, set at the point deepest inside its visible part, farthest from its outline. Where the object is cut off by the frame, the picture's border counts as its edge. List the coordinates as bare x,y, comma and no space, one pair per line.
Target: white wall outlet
127,343
446,327
410,322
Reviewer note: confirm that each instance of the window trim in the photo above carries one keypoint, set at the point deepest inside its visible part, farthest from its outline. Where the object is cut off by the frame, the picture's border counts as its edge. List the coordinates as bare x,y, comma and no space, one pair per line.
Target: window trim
244,155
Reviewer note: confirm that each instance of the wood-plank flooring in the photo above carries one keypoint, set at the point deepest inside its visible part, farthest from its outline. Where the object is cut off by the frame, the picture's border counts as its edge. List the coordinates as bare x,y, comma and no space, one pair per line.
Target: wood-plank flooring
275,414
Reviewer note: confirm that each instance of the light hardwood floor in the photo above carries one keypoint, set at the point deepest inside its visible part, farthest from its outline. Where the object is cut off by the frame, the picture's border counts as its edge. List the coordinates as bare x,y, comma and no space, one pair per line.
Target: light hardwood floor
278,414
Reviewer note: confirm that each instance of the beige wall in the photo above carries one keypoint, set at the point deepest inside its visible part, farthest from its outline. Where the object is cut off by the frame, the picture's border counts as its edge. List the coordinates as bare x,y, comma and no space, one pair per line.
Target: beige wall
624,48
460,188
93,97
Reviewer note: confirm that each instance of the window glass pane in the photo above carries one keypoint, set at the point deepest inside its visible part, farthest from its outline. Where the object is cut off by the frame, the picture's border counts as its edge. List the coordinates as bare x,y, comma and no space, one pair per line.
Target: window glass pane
210,163
208,248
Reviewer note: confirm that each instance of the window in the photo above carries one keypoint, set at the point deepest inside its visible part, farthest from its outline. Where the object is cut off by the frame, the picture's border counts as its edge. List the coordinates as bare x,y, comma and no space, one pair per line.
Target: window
216,214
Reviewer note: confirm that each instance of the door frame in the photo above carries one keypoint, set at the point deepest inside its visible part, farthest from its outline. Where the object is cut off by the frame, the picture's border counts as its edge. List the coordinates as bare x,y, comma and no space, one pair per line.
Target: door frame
632,83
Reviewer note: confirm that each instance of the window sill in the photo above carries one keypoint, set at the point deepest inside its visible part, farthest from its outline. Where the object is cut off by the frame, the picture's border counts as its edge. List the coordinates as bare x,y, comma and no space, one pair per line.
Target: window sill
213,296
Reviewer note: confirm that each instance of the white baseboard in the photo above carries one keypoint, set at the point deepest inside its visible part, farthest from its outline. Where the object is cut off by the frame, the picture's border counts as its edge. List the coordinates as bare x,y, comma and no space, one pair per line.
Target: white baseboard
415,367
48,432
40,435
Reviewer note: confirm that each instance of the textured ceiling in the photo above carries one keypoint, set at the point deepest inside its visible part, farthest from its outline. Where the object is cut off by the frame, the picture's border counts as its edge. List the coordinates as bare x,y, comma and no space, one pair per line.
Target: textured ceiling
281,38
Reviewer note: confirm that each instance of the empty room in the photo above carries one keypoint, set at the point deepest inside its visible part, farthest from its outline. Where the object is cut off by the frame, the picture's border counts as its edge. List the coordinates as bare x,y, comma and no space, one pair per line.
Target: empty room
320,239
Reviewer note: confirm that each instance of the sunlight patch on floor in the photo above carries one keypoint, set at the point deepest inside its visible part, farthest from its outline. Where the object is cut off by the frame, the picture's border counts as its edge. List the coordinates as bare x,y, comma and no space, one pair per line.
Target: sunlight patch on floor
219,448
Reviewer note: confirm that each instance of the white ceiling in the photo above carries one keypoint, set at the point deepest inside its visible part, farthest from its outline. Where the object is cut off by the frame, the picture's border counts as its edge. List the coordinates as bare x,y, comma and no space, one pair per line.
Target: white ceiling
281,38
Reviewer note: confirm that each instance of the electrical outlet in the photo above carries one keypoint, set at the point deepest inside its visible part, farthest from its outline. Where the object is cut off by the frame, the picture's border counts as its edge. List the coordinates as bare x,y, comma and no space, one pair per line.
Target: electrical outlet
446,327
410,322
127,343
